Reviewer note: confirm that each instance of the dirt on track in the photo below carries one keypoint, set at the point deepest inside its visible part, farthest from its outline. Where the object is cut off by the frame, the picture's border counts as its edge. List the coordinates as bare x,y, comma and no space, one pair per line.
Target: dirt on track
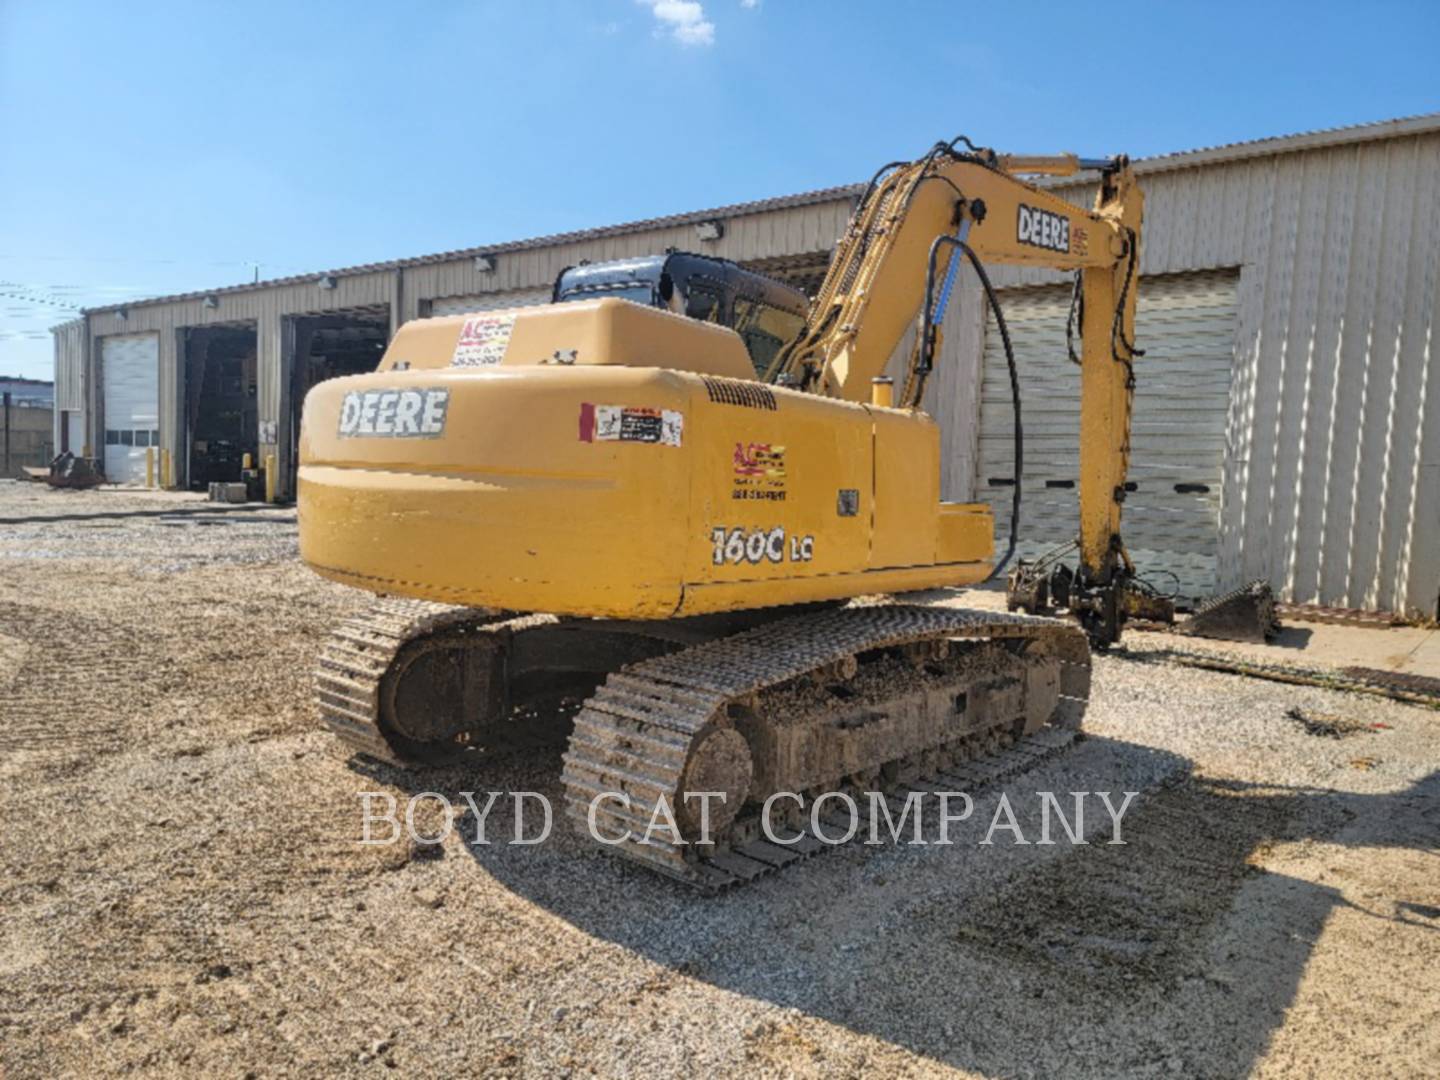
183,891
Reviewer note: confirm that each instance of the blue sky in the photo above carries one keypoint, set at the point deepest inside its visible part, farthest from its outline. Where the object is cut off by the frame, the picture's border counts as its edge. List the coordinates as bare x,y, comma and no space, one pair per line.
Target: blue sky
149,147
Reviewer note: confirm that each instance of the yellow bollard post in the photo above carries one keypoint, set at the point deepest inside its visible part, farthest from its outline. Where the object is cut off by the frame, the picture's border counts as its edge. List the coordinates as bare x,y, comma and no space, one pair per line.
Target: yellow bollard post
149,466
246,461
165,469
269,478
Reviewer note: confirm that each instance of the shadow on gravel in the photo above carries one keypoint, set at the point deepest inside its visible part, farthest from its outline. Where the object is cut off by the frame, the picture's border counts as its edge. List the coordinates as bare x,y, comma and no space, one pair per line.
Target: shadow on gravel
1174,952
1291,637
204,515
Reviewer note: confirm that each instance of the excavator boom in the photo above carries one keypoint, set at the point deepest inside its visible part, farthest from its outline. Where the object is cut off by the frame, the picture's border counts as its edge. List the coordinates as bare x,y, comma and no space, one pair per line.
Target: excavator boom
951,204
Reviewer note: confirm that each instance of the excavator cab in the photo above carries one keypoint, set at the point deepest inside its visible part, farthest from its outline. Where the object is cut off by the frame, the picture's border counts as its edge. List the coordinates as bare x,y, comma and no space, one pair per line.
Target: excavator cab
767,314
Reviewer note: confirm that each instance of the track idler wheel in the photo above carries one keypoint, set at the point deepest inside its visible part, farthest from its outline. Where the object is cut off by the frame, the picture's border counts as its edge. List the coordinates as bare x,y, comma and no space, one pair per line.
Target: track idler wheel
719,761
442,693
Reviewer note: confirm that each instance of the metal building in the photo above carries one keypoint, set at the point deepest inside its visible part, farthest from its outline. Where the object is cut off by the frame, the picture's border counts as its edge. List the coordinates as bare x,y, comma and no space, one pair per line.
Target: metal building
1287,426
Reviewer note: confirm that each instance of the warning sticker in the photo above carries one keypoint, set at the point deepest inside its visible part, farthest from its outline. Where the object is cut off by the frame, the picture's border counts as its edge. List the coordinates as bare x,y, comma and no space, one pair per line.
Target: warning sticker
629,423
483,339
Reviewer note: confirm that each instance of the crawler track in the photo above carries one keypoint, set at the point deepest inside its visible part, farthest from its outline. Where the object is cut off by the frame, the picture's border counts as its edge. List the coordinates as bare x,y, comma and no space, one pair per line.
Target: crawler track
643,731
412,683
351,684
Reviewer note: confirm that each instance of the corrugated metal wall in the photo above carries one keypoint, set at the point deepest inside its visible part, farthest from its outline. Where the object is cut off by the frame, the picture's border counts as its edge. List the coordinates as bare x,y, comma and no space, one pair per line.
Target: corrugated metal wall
1333,482
69,376
765,235
265,308
1332,463
952,394
1333,450
758,237
69,385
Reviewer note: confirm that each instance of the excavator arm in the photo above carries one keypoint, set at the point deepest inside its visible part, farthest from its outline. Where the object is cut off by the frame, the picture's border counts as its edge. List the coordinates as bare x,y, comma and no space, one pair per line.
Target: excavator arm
899,259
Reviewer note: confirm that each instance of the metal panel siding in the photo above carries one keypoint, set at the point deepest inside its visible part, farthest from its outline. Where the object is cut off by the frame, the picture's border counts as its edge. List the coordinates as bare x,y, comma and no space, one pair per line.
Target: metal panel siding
952,393
1331,476
793,231
1332,465
265,307
1332,461
1413,505
774,233
69,366
69,383
459,305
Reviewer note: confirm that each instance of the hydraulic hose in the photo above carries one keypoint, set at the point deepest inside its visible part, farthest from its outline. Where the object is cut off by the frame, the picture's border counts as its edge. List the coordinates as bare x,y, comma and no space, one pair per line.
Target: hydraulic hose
1014,400
926,362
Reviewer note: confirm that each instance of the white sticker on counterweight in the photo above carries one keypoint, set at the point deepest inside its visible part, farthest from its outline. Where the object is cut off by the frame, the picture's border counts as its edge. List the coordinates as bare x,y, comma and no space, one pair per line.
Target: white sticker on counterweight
483,340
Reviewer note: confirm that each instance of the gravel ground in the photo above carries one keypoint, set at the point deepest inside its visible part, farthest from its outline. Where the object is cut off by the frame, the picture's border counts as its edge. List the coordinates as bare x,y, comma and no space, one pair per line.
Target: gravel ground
184,892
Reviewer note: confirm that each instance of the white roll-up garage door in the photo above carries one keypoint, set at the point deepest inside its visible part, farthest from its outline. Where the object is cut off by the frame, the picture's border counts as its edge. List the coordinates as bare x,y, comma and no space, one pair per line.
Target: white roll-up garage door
1186,324
131,365
460,305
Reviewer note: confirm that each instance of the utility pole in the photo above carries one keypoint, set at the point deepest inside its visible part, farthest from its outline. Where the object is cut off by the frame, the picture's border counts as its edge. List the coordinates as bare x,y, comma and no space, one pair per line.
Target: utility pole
7,435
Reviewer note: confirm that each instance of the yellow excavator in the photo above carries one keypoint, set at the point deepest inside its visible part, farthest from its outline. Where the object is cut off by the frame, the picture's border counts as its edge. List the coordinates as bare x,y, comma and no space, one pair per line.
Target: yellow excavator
600,515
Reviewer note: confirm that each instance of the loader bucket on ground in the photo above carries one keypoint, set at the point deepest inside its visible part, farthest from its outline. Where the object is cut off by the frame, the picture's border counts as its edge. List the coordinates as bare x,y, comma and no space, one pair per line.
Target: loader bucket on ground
1247,614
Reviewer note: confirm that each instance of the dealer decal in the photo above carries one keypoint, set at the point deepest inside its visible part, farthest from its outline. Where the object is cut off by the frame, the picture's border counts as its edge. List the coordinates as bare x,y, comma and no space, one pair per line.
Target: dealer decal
403,414
1042,229
759,472
630,423
483,340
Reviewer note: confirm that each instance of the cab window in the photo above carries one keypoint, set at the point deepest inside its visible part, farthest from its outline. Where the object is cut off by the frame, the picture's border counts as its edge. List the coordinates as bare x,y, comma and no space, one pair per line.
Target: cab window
640,293
703,302
765,330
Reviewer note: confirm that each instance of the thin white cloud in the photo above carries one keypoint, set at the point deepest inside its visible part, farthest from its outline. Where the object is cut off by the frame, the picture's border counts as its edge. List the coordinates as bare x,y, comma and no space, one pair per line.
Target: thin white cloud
683,20
750,3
